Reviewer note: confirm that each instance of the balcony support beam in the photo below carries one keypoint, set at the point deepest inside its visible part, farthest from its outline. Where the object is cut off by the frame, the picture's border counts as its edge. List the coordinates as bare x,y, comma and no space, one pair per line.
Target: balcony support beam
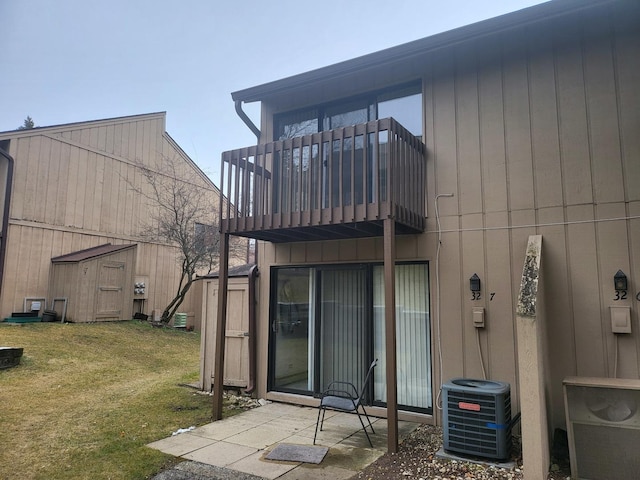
221,327
390,332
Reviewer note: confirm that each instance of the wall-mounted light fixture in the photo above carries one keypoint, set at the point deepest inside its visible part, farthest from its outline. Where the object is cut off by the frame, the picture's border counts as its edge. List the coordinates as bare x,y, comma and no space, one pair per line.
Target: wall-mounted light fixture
474,283
620,281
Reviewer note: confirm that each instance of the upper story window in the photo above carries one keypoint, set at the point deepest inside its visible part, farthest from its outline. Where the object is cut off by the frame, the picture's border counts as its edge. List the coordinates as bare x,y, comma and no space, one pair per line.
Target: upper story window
404,104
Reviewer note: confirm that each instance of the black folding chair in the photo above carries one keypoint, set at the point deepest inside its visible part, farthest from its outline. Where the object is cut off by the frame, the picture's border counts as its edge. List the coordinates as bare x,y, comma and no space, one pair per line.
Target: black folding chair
344,397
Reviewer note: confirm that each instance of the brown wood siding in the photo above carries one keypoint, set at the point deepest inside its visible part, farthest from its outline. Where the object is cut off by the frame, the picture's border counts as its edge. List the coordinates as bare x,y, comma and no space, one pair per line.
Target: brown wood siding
533,134
71,191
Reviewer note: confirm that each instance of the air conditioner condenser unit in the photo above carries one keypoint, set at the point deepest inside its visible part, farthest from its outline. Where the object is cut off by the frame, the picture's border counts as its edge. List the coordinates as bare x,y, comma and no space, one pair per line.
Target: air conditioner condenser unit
477,417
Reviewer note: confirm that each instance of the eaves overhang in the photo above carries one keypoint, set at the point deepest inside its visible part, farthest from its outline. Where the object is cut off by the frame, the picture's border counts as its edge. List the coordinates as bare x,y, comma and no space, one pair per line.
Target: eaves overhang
407,52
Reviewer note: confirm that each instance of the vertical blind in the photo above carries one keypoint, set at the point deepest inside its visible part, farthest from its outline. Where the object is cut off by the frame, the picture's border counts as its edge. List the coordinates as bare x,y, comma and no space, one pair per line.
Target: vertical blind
343,338
413,342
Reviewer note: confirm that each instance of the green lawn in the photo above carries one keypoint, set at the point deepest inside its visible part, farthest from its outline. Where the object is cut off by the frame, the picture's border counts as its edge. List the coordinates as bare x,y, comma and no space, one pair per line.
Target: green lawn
87,398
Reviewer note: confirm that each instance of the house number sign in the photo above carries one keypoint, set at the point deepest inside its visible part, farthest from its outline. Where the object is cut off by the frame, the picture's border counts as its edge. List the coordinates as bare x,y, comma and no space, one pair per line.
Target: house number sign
622,295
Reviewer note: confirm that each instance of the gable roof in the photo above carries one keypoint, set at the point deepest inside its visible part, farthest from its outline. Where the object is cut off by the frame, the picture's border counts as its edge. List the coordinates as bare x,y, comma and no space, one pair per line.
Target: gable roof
86,123
92,252
406,53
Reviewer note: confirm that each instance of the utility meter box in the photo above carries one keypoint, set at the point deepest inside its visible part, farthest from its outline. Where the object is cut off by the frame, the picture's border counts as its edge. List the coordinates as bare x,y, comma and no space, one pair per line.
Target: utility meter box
141,287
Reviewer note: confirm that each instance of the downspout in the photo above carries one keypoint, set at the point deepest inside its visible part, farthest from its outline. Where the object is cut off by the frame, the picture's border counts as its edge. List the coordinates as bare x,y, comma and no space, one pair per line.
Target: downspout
253,275
247,121
5,217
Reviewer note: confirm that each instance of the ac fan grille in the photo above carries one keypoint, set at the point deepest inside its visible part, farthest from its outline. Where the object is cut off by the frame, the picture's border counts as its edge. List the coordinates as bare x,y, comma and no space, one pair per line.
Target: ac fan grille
484,430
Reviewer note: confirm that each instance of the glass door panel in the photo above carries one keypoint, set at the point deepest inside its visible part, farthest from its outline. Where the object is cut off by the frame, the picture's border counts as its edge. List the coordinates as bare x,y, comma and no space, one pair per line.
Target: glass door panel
292,330
413,338
343,315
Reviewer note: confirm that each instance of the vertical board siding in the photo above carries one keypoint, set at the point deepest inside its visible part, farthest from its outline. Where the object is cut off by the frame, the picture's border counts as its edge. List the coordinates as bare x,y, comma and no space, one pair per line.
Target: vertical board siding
559,326
544,123
472,261
72,190
499,333
30,179
541,138
492,141
555,127
604,133
468,137
443,131
627,65
613,248
517,126
572,118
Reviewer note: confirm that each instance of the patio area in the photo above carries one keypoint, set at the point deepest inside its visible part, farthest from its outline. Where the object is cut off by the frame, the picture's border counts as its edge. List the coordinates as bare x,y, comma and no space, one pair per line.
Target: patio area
240,443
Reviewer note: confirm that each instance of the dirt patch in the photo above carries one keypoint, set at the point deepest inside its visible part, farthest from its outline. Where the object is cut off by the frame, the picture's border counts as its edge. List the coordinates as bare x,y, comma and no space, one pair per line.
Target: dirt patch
416,459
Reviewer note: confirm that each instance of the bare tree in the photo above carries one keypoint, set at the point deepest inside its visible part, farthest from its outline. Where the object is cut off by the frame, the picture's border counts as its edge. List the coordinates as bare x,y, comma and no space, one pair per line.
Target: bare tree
183,214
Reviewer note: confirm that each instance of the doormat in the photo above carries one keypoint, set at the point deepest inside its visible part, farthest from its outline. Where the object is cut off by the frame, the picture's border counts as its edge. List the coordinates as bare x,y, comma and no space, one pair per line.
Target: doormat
287,452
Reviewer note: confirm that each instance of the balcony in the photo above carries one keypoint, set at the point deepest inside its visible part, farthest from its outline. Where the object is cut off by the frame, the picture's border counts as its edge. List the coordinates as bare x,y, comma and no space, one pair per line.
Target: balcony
329,185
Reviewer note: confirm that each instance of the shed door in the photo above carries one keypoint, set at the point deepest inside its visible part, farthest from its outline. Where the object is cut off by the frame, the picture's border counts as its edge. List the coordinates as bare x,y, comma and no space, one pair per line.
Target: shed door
236,363
110,297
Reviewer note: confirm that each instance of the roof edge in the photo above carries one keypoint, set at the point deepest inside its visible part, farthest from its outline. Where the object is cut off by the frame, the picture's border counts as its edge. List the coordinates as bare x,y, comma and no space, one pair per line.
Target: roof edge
126,118
92,252
536,13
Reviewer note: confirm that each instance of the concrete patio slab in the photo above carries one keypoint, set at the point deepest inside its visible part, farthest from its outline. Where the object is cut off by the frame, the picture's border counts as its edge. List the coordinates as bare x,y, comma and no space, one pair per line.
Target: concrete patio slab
223,429
180,445
220,454
239,444
261,437
257,465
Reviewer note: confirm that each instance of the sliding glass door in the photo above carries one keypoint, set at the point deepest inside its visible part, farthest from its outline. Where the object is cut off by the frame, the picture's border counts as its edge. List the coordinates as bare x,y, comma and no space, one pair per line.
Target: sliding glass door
413,338
343,315
327,323
293,330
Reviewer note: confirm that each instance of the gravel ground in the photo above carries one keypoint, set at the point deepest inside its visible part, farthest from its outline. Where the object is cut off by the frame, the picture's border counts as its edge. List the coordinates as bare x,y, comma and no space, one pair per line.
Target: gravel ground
416,459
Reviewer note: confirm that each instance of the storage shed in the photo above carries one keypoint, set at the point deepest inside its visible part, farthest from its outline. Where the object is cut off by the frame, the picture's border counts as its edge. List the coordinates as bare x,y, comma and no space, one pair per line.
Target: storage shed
98,282
240,334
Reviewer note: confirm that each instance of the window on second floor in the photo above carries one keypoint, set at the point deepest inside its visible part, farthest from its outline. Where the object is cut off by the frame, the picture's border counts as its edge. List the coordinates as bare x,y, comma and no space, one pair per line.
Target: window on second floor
404,104
347,172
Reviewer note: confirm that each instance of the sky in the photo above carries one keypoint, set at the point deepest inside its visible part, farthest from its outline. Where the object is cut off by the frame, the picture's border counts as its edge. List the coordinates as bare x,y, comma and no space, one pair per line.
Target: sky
67,61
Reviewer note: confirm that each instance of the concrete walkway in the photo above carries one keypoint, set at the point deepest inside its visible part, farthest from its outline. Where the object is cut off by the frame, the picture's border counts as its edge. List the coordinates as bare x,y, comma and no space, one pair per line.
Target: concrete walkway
235,447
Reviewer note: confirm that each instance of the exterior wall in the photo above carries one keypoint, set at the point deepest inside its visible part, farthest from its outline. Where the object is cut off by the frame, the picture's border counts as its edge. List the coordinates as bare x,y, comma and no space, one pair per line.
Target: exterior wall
72,190
538,140
533,133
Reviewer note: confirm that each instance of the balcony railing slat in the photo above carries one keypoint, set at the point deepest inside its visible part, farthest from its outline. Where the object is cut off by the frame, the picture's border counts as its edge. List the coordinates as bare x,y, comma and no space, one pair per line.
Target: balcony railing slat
306,187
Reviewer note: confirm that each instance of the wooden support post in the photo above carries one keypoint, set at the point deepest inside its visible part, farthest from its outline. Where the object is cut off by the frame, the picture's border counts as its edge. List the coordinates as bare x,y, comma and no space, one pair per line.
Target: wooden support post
390,332
531,369
221,327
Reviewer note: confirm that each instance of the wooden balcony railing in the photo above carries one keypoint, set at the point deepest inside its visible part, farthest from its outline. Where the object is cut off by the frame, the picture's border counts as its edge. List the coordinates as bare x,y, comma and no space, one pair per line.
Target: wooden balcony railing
335,184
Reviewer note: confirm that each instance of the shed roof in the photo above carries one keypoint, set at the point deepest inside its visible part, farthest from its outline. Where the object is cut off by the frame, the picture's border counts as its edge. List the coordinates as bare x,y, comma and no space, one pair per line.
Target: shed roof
406,53
92,252
239,271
